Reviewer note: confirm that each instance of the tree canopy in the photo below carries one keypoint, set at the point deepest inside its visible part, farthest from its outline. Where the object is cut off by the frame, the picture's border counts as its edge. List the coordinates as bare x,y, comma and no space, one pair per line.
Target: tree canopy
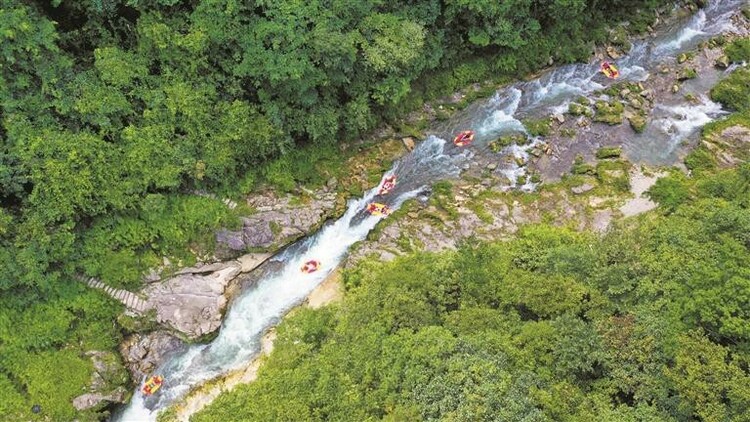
648,322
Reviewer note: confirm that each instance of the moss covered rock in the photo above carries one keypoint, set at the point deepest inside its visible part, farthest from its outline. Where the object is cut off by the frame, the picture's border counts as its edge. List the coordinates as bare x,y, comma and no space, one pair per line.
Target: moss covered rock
610,113
638,122
608,152
688,73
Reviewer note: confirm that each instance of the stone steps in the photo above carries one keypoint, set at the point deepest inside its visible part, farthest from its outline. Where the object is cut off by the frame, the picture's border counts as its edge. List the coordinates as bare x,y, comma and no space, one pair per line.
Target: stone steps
129,299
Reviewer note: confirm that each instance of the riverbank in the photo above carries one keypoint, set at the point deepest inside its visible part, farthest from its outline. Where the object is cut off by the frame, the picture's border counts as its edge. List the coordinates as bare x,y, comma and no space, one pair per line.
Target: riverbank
607,177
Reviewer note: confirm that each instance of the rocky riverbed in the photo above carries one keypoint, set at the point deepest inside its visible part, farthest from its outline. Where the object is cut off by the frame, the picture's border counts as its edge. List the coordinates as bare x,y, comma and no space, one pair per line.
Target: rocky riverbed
577,189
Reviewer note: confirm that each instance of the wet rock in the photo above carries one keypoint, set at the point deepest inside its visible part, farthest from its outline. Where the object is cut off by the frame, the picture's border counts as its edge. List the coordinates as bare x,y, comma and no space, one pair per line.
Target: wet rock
257,233
279,220
143,353
559,118
91,400
107,381
231,240
638,123
193,302
408,143
520,161
581,189
251,261
686,74
612,52
722,62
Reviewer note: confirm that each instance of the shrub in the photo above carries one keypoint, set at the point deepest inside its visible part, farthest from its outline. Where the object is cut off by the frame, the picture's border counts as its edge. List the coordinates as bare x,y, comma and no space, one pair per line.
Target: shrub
670,192
608,152
699,159
739,50
734,91
538,127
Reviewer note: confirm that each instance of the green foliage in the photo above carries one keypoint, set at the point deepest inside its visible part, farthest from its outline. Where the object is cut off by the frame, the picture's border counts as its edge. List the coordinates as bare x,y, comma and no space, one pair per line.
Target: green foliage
700,159
608,152
734,91
610,113
42,349
540,127
119,249
648,322
670,192
114,111
738,50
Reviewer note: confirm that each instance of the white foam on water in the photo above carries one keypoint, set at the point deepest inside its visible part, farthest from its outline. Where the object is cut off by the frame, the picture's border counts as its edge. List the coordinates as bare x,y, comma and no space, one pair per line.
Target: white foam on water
682,121
693,29
502,118
265,303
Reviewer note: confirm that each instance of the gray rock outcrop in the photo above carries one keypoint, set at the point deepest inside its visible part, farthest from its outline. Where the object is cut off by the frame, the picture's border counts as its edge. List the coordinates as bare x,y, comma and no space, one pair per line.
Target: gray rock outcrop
107,382
193,301
279,221
143,353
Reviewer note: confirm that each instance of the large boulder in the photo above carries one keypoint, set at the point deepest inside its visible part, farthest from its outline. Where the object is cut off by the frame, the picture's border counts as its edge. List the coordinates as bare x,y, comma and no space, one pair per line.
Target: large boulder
143,353
107,382
278,221
193,301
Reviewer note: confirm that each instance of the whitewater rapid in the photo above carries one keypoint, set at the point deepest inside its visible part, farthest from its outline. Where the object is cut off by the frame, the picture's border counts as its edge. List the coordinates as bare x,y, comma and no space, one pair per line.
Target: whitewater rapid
262,305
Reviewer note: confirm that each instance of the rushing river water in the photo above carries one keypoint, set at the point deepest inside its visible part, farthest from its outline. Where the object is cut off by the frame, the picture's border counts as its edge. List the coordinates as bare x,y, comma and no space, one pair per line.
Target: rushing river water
263,304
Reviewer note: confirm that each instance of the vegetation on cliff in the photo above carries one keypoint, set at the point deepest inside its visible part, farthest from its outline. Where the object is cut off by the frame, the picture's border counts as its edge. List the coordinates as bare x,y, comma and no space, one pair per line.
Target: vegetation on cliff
114,113
648,322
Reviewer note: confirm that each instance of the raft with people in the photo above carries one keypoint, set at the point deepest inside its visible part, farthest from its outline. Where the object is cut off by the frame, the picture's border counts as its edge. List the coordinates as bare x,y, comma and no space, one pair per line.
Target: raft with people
310,266
610,70
152,385
464,138
377,209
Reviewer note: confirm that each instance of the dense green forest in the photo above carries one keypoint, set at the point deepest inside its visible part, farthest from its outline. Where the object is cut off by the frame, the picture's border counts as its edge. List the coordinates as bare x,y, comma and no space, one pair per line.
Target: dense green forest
114,112
650,322
113,109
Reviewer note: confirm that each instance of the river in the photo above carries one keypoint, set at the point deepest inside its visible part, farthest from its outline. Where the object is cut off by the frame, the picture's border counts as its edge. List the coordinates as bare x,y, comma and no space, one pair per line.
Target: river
263,304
